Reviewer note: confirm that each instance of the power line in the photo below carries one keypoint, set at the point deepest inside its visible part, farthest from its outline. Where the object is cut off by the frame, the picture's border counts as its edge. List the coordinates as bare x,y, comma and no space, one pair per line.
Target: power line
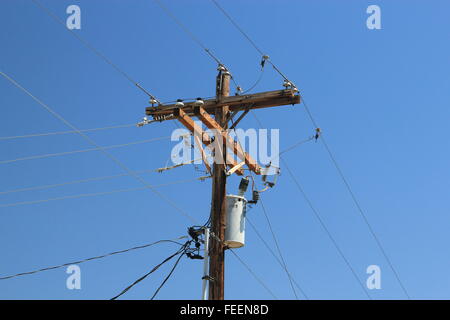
192,36
66,132
48,155
279,249
324,227
357,204
83,195
106,153
295,145
90,259
170,274
228,16
273,253
93,49
254,274
179,251
55,185
188,32
49,186
292,147
261,74
319,218
238,27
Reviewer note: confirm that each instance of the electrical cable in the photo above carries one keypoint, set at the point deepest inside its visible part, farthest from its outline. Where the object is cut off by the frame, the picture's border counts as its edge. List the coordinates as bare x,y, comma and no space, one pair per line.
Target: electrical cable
228,16
93,258
256,83
48,155
320,220
66,132
93,49
279,249
258,234
92,142
151,271
95,194
188,32
253,274
169,275
357,204
193,37
325,228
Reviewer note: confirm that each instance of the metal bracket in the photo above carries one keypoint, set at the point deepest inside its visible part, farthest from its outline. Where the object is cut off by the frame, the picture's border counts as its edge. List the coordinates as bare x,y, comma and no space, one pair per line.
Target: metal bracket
209,278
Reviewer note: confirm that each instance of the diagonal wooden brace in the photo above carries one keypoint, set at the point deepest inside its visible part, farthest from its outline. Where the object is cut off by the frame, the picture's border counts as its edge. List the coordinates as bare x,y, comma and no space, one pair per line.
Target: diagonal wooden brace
205,159
197,131
230,142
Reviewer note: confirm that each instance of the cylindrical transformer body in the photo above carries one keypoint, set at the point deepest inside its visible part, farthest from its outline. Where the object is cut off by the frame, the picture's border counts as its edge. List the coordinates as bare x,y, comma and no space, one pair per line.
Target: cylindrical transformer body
235,227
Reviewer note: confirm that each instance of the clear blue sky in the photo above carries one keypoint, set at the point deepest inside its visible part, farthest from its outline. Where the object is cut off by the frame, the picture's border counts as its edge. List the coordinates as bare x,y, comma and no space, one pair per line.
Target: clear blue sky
380,97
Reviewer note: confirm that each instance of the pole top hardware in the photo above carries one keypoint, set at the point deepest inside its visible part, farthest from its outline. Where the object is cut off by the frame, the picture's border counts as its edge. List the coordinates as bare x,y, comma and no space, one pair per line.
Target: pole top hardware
179,103
144,122
221,67
198,102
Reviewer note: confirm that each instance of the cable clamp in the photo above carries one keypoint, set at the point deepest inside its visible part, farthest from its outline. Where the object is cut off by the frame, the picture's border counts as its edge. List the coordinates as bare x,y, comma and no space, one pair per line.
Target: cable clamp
209,278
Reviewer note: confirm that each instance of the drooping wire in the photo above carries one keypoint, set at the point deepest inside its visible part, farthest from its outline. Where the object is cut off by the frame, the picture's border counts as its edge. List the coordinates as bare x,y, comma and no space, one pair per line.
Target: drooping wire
93,49
357,204
261,74
93,258
179,251
170,273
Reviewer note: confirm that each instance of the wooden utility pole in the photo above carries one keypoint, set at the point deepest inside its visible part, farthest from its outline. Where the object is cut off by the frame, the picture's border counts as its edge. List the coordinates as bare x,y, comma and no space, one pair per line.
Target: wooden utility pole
224,108
218,205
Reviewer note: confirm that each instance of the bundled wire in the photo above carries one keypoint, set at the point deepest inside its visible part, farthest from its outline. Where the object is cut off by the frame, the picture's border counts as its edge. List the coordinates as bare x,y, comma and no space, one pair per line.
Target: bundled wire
181,251
169,275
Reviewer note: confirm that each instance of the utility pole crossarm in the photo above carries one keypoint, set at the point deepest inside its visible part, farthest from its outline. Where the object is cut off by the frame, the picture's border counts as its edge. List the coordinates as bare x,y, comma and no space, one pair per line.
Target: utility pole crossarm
234,103
213,125
197,131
